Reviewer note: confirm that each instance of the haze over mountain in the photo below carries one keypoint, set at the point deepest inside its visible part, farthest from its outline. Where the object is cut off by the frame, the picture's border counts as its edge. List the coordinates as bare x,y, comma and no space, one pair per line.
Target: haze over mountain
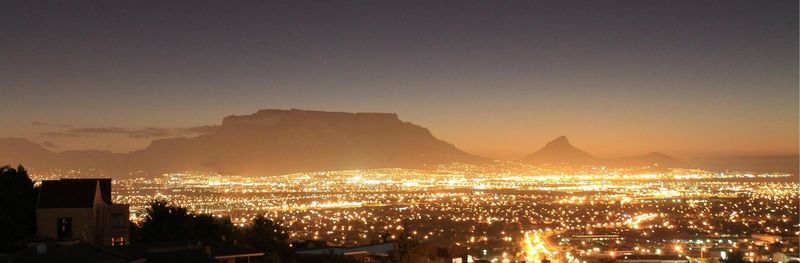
273,142
561,152
267,142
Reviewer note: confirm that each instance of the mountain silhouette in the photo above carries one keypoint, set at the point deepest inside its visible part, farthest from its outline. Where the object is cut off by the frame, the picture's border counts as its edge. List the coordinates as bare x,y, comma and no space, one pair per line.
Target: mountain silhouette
22,151
18,150
271,142
561,152
266,143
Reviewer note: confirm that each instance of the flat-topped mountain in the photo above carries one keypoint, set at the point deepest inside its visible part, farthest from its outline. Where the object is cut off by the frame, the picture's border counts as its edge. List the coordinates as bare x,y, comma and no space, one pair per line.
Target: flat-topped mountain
284,141
270,142
561,152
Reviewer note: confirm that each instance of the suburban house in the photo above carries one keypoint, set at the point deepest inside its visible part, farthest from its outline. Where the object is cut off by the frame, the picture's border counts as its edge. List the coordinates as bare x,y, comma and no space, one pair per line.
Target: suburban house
81,209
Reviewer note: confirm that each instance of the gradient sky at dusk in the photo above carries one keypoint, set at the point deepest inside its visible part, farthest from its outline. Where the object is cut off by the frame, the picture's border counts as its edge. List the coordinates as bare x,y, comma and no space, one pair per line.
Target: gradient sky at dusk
496,78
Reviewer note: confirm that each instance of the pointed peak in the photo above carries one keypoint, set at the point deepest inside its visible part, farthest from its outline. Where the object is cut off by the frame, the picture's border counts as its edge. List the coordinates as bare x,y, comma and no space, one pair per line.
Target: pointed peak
561,140
561,143
559,151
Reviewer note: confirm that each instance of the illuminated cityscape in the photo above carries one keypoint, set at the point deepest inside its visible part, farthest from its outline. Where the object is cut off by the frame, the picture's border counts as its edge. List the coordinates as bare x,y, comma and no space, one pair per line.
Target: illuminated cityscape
446,131
506,211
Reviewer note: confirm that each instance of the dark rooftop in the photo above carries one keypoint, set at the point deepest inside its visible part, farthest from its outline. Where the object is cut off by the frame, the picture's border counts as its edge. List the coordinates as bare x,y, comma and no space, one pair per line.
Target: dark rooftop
183,251
105,186
67,194
68,253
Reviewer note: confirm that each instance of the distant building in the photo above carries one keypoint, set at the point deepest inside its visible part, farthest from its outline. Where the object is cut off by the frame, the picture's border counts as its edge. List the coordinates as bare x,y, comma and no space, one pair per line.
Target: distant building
81,209
368,253
762,239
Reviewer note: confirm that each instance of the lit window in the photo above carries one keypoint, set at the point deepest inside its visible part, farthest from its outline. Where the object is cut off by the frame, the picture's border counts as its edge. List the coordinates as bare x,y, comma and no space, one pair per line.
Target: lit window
117,241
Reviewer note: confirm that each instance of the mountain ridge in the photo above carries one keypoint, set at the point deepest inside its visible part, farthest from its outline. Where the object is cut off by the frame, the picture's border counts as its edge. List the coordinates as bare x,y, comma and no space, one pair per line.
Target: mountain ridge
271,141
561,152
268,142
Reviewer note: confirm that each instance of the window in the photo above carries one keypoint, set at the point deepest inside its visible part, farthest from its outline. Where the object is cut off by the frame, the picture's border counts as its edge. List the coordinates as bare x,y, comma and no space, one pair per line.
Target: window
117,241
119,220
64,228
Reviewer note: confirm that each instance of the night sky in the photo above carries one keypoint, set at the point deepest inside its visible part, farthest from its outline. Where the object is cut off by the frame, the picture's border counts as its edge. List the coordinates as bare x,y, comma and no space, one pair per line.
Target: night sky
496,78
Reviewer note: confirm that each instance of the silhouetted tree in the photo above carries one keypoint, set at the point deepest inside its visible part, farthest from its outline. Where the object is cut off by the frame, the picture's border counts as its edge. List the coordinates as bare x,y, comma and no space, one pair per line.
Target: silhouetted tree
17,208
408,247
267,236
166,222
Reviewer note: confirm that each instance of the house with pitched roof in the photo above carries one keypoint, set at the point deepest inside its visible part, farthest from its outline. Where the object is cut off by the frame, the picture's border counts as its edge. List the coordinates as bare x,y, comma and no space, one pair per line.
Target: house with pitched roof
81,209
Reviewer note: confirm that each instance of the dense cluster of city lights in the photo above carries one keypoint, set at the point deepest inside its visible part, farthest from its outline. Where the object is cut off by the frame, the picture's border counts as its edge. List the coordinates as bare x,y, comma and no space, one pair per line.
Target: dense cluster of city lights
504,211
